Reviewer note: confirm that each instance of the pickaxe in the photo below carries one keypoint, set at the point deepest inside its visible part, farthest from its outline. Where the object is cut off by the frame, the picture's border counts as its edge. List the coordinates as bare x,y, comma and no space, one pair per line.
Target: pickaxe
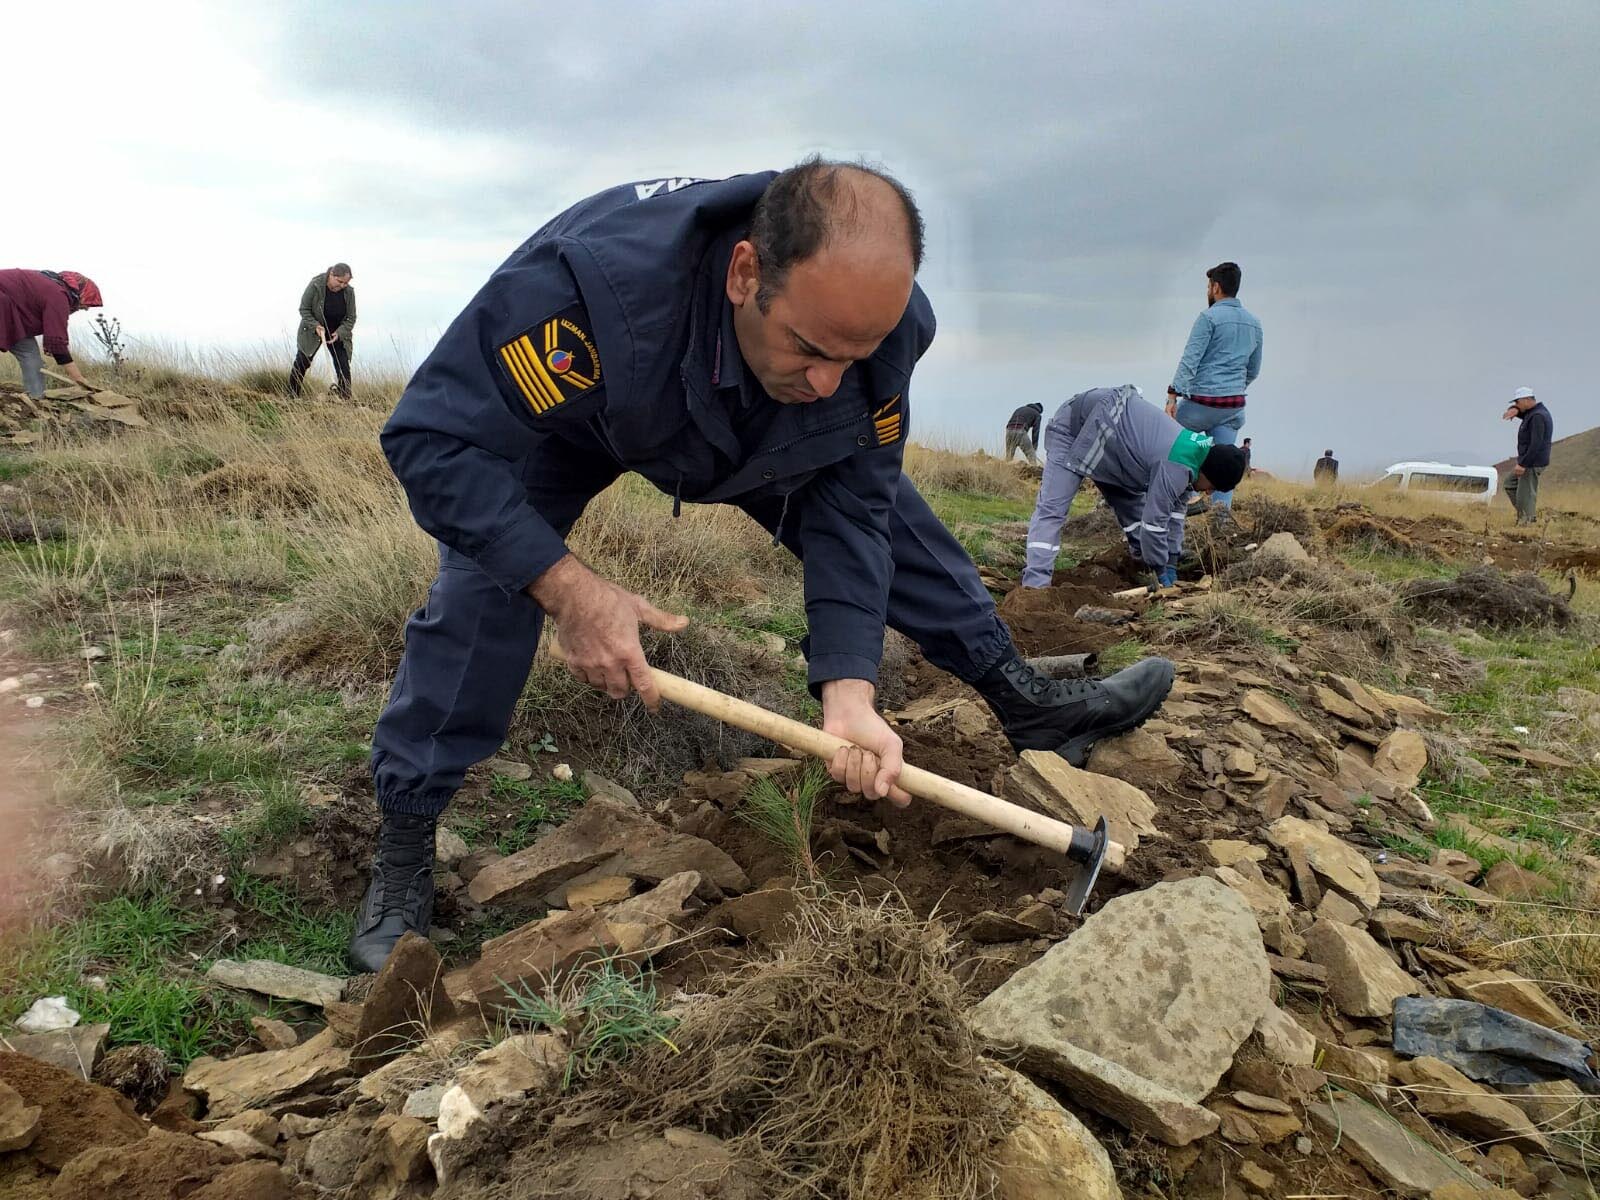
1088,849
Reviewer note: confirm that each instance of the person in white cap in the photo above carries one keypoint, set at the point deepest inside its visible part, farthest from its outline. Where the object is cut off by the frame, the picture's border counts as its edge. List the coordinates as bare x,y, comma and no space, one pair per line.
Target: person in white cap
1533,452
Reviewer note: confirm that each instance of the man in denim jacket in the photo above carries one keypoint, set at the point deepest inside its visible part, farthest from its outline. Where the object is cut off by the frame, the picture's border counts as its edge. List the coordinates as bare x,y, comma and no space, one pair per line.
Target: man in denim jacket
1220,362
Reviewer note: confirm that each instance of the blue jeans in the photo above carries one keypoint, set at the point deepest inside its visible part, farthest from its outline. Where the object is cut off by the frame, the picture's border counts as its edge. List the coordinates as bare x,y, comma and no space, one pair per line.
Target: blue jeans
32,363
1223,424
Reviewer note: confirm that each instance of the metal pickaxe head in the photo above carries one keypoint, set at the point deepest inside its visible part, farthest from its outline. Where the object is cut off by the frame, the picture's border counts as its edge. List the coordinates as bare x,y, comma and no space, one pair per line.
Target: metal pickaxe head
1088,850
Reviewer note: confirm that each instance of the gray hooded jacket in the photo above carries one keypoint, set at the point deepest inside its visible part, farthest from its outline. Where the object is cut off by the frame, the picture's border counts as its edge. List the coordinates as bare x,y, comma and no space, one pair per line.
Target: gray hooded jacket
1143,462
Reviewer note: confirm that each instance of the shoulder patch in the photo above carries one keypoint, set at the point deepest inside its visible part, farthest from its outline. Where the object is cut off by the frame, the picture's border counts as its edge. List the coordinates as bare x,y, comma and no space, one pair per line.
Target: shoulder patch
888,421
552,362
1189,449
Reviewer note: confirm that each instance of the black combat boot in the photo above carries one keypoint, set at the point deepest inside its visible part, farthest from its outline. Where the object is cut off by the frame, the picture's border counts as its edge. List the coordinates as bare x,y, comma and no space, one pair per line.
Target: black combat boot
1071,715
400,896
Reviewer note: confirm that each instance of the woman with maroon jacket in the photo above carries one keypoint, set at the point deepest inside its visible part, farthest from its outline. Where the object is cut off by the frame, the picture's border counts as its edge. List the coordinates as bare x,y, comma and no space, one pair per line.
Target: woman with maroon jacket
38,303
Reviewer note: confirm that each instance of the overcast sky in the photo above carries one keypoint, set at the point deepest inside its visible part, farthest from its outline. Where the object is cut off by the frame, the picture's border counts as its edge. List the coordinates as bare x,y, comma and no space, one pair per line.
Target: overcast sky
1412,190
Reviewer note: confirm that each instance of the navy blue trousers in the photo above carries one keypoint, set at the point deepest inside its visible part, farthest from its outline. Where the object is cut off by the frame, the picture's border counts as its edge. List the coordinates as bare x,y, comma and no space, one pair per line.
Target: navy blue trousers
470,647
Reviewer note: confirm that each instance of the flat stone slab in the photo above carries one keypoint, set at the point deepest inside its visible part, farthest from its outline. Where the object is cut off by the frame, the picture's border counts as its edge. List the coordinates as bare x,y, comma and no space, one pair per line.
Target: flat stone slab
77,1049
1390,1152
1143,1008
276,979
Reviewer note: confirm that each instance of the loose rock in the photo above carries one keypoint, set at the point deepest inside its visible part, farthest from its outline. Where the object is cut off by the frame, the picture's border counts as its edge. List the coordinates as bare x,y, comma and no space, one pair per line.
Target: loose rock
277,979
1446,1095
1163,985
1049,1154
1335,862
261,1080
1045,782
78,1049
1362,980
1392,1154
406,1000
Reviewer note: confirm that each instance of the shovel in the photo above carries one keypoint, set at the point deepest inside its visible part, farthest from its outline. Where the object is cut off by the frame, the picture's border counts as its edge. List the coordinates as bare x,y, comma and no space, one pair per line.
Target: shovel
1088,849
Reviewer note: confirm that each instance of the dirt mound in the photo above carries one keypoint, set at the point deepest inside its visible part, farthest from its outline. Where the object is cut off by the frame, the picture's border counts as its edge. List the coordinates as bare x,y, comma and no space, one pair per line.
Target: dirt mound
1099,524
76,1116
808,1066
1042,621
1357,528
256,488
1267,516
1486,596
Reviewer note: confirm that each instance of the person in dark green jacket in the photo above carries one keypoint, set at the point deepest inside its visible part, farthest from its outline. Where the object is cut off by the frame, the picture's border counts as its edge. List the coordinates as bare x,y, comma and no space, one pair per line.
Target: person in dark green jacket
327,317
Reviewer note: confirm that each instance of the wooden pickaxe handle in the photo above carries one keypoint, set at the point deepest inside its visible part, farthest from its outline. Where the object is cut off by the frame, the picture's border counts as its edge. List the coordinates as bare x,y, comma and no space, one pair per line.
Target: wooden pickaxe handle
925,785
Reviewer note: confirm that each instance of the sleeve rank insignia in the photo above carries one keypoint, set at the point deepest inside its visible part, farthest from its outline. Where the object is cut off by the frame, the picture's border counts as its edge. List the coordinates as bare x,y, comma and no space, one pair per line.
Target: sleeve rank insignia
887,422
552,362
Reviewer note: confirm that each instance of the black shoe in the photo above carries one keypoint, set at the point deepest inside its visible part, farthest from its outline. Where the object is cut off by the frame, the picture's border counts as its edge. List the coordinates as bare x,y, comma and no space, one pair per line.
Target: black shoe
1070,715
400,896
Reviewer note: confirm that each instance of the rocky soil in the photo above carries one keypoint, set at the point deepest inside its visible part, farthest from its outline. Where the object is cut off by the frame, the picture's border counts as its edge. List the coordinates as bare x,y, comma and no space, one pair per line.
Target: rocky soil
1222,1024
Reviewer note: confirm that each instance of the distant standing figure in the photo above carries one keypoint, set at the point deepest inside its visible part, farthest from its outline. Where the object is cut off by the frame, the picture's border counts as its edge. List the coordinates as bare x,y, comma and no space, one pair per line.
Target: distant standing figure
1245,446
1022,431
1326,472
327,318
1222,359
36,304
1533,452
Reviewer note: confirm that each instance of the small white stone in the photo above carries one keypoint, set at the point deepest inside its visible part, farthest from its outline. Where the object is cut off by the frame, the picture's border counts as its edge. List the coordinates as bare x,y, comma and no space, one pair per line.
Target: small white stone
562,772
9,684
1520,729
90,653
34,701
91,687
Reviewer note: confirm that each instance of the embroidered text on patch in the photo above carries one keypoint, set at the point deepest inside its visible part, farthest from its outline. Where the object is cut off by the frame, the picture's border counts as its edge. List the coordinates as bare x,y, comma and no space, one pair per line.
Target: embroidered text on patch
887,422
551,363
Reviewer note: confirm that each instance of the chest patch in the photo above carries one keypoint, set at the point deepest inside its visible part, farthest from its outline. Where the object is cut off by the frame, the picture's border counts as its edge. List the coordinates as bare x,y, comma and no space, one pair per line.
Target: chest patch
552,362
888,423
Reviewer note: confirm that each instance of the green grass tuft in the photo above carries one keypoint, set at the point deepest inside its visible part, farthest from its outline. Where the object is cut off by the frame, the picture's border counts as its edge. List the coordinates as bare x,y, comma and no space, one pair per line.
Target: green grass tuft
606,1011
545,802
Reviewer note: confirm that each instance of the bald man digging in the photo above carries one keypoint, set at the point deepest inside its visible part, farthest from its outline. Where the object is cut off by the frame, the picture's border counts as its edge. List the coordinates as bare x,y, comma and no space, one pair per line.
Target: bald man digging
747,341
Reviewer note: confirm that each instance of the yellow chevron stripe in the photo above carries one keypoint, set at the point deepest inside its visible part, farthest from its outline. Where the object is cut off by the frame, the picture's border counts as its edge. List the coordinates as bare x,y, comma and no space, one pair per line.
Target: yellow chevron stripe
583,381
888,423
520,379
525,352
550,333
530,386
544,376
887,407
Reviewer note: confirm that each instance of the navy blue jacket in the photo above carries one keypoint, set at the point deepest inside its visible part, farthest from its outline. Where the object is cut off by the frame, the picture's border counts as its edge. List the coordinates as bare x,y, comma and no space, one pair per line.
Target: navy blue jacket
1533,437
605,330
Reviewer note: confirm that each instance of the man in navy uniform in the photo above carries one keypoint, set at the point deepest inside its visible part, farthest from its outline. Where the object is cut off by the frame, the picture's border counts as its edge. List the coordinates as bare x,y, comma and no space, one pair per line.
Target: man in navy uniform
746,341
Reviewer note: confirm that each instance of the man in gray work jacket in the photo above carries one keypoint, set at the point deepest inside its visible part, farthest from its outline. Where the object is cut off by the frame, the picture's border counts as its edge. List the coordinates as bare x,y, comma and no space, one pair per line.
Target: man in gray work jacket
747,341
1143,462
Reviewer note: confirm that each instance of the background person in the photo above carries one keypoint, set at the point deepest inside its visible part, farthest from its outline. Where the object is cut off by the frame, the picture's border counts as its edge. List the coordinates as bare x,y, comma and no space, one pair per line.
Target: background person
1022,431
35,304
327,317
1142,461
1326,472
1221,360
1533,452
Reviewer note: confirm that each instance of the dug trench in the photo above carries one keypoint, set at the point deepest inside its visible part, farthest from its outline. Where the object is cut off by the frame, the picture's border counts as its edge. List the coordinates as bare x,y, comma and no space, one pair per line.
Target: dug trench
1257,937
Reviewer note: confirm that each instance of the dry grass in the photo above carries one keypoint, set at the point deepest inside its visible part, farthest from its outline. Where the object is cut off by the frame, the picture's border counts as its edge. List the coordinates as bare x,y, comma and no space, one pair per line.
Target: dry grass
1566,513
956,471
841,1068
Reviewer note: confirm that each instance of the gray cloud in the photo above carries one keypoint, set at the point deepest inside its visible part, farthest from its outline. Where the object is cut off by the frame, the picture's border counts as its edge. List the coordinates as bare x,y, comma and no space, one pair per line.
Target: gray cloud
1411,189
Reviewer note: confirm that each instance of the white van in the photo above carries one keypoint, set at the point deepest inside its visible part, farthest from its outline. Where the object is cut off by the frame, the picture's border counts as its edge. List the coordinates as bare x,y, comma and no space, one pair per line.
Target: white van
1444,481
